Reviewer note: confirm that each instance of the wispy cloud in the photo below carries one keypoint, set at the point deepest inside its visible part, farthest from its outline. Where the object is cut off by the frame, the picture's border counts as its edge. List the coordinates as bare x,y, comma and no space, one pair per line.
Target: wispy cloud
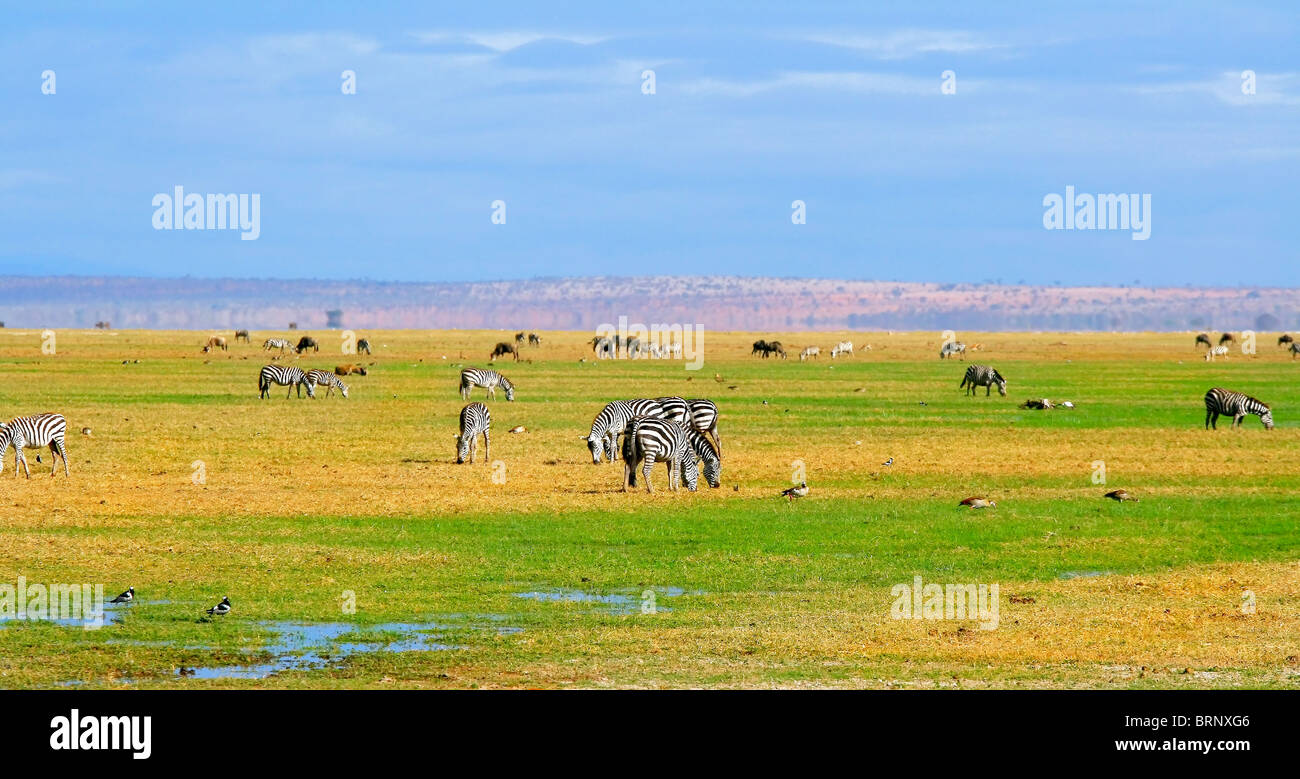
904,44
1271,89
503,40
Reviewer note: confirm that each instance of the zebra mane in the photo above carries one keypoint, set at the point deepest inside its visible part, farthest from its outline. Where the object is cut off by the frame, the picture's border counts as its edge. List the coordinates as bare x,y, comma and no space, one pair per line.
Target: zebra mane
698,436
504,382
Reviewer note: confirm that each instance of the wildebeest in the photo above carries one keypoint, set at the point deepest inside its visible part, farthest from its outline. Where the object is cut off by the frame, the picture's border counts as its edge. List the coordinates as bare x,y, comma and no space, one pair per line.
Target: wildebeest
504,348
305,343
293,325
1203,338
103,326
1282,340
349,369
769,348
363,346
242,335
1226,338
760,347
215,342
534,339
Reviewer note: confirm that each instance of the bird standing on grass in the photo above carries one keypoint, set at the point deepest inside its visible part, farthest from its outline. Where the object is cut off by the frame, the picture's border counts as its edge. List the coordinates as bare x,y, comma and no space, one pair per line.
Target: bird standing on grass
1120,496
221,608
796,492
125,597
888,462
979,503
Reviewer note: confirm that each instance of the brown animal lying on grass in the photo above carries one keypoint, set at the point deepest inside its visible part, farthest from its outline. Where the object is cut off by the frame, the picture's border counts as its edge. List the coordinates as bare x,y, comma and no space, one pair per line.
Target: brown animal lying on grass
346,370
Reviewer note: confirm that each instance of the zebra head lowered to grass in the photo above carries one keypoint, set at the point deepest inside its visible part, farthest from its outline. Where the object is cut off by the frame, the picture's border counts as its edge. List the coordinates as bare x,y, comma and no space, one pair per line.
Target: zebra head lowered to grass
488,380
983,376
952,347
30,433
286,376
1236,405
474,421
610,423
328,380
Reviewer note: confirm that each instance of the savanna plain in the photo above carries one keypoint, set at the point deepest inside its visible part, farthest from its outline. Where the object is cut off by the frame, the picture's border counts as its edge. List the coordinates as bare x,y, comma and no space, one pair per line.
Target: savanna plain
357,553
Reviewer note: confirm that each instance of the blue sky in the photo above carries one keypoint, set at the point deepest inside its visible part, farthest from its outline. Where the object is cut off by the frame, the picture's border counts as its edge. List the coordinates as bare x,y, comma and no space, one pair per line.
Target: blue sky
541,106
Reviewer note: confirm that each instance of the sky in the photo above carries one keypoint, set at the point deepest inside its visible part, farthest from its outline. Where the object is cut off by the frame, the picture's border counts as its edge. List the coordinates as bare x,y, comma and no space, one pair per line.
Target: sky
904,173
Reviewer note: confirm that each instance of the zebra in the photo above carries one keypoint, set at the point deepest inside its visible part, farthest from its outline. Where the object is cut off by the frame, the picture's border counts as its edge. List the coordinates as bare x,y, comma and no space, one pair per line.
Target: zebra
612,420
810,351
704,417
363,346
474,419
983,376
534,339
286,376
952,347
674,408
1295,350
488,380
32,432
706,451
843,347
1235,404
327,380
277,343
1216,351
647,440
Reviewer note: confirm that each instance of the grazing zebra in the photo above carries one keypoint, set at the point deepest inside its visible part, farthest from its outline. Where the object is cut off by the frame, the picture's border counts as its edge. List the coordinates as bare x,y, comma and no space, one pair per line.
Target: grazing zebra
32,432
474,419
704,417
647,440
612,420
327,380
1295,350
488,380
534,339
674,408
706,451
809,351
952,347
1217,351
983,376
519,338
286,376
277,343
843,347
363,346
1235,404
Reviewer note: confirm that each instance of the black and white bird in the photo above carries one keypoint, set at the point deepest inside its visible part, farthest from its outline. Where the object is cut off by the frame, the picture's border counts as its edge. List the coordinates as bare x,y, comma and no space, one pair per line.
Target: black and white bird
125,597
221,608
796,492
888,462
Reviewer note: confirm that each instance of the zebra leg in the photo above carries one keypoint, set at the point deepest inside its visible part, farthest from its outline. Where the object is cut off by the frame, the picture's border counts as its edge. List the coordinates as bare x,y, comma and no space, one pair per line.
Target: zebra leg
487,447
1237,419
629,475
1207,418
645,471
22,460
63,452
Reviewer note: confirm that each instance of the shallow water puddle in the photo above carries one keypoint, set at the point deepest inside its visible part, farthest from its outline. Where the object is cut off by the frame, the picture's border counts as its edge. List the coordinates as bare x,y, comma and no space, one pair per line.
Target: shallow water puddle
306,646
626,601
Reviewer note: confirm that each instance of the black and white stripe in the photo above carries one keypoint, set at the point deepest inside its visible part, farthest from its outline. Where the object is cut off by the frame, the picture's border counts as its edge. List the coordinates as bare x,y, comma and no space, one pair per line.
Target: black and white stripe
328,380
706,451
952,347
286,376
648,440
474,420
983,376
674,408
363,346
31,433
1236,405
704,416
487,379
610,423
277,343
